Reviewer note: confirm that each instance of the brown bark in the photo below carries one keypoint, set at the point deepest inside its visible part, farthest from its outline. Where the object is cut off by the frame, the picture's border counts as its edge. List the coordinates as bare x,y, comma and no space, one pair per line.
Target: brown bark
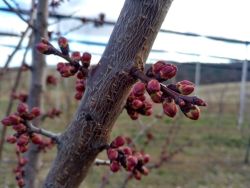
107,88
36,87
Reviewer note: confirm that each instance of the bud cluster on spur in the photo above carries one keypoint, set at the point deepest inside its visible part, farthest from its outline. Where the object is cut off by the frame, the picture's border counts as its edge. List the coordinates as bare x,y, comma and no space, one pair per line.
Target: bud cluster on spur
170,95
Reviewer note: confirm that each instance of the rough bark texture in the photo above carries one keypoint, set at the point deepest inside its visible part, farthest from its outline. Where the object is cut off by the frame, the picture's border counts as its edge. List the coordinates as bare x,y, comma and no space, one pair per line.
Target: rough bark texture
36,87
107,88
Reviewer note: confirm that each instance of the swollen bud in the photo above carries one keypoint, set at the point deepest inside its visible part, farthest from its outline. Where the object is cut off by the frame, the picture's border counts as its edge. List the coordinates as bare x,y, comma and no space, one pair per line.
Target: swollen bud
185,87
136,104
157,67
6,121
22,108
153,86
169,107
156,97
168,71
64,46
193,112
139,89
36,138
11,139
112,154
114,166
45,48
35,111
117,142
86,57
131,162
76,56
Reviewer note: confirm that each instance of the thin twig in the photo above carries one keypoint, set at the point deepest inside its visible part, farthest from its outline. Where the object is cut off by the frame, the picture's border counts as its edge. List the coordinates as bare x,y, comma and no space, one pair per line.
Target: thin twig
18,12
102,162
49,134
11,100
14,52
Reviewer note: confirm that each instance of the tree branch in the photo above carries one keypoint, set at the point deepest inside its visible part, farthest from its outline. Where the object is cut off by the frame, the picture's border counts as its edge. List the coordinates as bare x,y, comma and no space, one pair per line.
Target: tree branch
28,22
99,162
108,86
179,98
34,129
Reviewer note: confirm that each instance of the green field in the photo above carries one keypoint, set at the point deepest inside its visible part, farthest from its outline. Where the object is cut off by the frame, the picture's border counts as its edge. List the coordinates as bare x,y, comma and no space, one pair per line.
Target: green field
213,160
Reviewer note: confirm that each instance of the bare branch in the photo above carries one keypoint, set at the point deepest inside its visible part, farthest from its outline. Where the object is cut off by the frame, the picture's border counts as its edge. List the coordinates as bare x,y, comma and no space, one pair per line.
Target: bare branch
11,100
102,162
34,129
17,11
14,52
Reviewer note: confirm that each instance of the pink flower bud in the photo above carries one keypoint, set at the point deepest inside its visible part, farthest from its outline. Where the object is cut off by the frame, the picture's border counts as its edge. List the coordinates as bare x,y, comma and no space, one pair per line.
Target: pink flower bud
158,66
19,128
76,56
169,107
11,139
80,87
64,46
156,97
153,86
127,150
36,138
78,95
147,105
6,121
86,57
117,142
136,104
168,71
80,75
22,161
62,42
22,108
14,119
23,140
193,112
114,166
35,111
112,154
185,87
44,48
139,89
131,162
60,66
146,158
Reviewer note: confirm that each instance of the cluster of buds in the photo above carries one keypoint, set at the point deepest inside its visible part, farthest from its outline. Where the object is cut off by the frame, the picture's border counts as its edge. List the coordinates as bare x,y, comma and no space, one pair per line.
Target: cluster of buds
162,71
23,136
51,80
137,102
17,121
126,157
171,95
19,170
52,113
22,96
77,64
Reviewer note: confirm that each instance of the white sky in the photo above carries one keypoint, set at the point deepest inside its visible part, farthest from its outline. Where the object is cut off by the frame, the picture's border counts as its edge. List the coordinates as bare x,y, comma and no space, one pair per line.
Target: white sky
223,18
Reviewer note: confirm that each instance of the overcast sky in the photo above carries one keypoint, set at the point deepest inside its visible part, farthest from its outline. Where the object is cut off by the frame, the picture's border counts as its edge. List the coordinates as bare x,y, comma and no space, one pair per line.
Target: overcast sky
222,18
